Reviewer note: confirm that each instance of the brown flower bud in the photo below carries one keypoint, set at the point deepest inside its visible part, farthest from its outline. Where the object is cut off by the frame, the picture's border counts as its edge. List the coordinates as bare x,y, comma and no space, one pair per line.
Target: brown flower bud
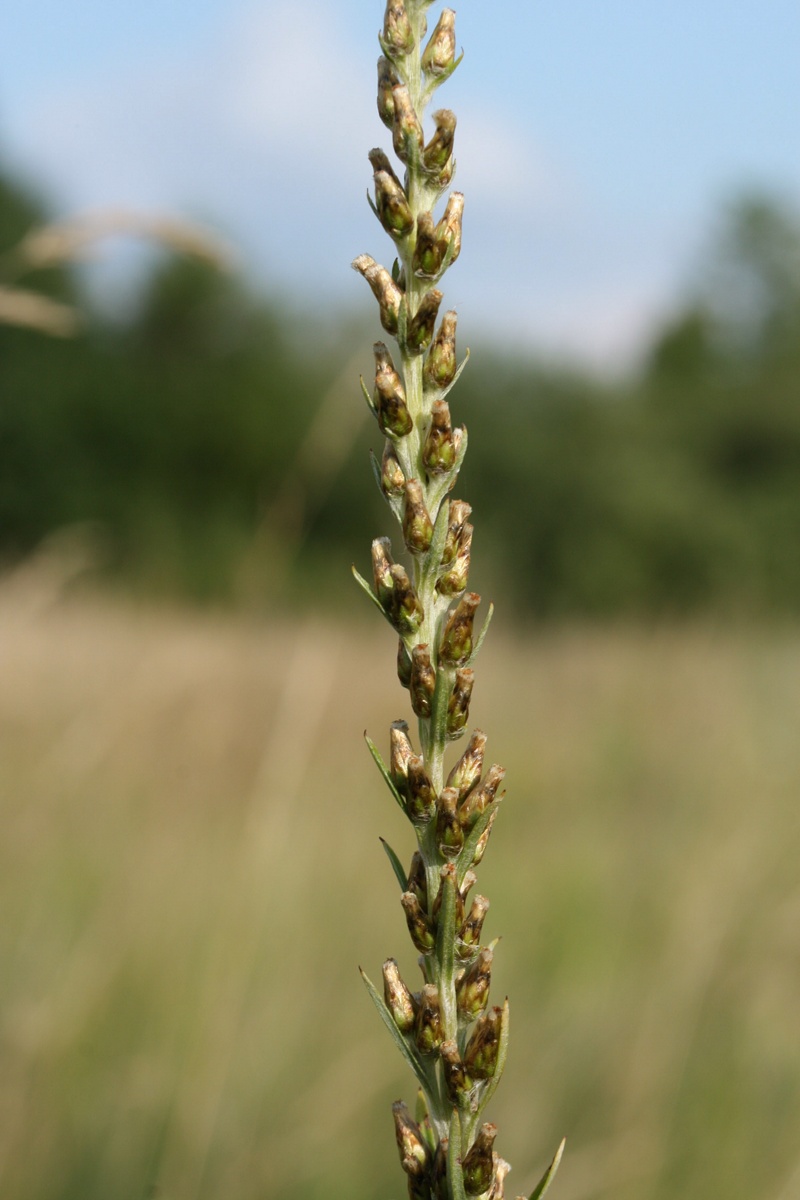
436,154
454,581
440,365
478,1165
403,664
468,882
422,324
423,681
440,51
388,79
472,992
457,516
449,833
483,841
384,288
421,796
456,1080
418,879
398,35
445,176
481,796
439,451
406,613
407,137
448,231
457,642
380,161
419,926
429,1032
501,1169
448,873
480,1055
389,396
397,997
428,251
414,1153
417,524
458,704
392,205
400,751
393,480
470,931
382,569
439,1171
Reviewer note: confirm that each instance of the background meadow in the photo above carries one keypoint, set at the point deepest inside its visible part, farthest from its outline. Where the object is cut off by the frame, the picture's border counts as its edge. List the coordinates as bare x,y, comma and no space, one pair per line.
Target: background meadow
191,874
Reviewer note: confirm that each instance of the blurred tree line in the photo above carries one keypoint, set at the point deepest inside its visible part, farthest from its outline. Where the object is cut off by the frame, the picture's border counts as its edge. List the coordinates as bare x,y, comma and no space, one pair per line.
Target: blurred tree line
217,447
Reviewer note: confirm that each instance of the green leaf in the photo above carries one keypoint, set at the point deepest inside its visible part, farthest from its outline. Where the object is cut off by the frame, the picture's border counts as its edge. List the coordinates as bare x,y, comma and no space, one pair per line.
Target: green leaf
470,845
549,1174
445,677
445,950
482,634
502,1054
376,471
384,770
397,866
367,397
454,1172
439,535
409,1054
361,581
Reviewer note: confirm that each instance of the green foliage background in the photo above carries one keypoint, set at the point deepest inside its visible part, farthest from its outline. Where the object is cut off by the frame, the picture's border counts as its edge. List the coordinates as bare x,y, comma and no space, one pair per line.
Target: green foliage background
183,436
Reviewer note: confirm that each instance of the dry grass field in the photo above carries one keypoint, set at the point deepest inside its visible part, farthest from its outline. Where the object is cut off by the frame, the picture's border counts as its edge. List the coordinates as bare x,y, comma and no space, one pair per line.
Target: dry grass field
190,873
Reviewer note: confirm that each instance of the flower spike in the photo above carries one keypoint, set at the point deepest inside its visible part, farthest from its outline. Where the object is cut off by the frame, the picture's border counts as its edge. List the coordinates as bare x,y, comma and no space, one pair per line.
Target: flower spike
454,1042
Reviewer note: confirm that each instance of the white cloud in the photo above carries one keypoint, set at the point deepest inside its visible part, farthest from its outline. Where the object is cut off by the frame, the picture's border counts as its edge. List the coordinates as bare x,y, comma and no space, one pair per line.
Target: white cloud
266,131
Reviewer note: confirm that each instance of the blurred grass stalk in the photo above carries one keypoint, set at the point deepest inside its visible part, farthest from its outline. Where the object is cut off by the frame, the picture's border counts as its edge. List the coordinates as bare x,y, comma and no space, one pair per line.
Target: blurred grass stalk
450,1037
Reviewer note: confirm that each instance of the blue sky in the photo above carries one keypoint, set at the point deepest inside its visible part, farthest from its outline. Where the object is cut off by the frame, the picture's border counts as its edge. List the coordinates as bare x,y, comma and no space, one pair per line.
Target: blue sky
597,140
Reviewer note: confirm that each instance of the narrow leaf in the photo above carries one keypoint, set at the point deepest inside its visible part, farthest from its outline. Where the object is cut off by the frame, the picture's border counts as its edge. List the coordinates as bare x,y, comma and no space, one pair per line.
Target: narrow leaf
405,1049
502,1054
440,534
376,471
455,1174
397,866
471,844
361,581
445,949
549,1174
443,392
367,397
384,770
482,634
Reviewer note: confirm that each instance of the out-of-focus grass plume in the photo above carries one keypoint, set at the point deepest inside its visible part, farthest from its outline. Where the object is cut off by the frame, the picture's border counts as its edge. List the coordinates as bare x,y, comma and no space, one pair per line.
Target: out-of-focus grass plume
188,851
